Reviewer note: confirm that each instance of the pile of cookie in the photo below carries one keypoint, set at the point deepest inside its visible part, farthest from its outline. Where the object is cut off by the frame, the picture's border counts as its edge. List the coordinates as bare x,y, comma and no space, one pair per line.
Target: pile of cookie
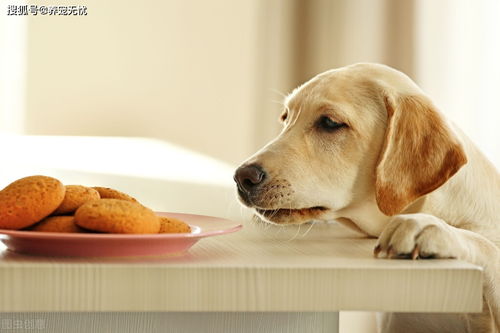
41,203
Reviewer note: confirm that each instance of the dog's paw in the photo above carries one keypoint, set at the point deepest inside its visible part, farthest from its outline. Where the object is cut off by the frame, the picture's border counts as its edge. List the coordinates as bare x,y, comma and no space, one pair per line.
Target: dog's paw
419,236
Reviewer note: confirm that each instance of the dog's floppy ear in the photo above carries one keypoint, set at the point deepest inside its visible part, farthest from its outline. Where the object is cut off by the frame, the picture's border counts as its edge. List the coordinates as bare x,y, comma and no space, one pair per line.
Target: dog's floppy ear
420,153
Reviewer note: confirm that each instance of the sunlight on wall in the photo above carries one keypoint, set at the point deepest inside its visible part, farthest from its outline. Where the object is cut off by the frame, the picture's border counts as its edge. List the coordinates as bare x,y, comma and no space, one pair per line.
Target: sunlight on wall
12,70
489,83
458,47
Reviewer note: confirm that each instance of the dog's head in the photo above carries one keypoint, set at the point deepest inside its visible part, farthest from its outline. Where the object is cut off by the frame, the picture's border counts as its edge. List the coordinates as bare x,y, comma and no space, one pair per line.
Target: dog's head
363,133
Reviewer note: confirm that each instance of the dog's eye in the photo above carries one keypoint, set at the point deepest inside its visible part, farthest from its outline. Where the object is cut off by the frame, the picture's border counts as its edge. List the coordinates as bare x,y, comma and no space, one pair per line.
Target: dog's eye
327,124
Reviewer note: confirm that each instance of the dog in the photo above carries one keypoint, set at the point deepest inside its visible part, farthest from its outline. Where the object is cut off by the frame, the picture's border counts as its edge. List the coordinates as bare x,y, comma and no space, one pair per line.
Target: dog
363,145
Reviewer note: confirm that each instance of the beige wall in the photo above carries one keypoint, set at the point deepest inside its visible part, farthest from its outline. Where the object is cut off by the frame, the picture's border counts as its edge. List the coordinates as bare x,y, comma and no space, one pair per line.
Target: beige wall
182,71
208,75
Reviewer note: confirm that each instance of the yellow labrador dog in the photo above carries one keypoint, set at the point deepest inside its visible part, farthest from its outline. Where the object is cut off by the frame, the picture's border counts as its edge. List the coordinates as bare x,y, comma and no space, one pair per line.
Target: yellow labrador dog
363,145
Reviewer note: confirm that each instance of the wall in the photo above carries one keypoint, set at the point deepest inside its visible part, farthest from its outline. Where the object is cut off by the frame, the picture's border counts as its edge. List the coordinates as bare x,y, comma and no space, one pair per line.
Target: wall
210,75
182,71
457,45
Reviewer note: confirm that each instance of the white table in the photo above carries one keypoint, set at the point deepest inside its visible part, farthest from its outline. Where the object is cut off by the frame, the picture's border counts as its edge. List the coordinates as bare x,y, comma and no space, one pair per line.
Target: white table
248,281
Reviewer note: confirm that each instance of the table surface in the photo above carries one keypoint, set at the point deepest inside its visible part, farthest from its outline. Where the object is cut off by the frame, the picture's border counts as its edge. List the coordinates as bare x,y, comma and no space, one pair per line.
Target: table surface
268,269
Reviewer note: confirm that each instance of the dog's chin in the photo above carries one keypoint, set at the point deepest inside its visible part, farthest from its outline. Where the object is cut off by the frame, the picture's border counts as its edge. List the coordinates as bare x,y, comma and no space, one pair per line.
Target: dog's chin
289,215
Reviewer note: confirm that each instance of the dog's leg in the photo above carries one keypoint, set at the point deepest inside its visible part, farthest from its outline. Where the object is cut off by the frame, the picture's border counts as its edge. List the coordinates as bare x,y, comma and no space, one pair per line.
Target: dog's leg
426,236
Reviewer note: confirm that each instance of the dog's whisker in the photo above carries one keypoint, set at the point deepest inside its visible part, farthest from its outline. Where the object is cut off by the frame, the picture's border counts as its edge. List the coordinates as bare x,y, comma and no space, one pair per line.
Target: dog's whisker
282,95
277,102
295,235
274,212
299,111
308,230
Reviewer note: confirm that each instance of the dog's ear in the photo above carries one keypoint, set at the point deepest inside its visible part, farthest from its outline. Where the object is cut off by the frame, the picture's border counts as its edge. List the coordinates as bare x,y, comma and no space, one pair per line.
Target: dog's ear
420,153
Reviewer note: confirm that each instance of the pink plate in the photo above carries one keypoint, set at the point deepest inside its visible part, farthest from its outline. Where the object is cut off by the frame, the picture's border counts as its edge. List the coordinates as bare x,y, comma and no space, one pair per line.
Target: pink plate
114,245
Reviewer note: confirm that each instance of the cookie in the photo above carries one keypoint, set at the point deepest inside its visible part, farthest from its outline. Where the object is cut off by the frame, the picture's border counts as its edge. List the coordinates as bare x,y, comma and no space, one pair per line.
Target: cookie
117,216
57,224
29,200
109,193
76,195
170,225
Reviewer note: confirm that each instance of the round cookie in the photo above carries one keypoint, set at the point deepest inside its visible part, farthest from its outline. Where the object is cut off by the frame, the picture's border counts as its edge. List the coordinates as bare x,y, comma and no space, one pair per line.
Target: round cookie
109,193
170,225
76,195
117,216
29,200
57,224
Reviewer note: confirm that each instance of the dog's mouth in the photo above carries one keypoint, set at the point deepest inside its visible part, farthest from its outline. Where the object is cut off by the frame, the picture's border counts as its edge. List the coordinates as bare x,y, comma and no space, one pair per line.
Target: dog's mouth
279,213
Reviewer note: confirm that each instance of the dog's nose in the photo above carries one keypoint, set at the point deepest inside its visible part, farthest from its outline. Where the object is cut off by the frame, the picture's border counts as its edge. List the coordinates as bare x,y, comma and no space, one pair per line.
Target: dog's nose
248,177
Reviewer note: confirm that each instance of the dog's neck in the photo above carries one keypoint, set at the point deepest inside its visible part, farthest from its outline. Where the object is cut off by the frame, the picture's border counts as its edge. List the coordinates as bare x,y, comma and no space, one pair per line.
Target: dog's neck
366,216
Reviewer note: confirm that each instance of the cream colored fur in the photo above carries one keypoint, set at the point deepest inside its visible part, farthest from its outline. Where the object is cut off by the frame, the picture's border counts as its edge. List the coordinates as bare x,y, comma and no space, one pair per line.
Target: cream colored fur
397,170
